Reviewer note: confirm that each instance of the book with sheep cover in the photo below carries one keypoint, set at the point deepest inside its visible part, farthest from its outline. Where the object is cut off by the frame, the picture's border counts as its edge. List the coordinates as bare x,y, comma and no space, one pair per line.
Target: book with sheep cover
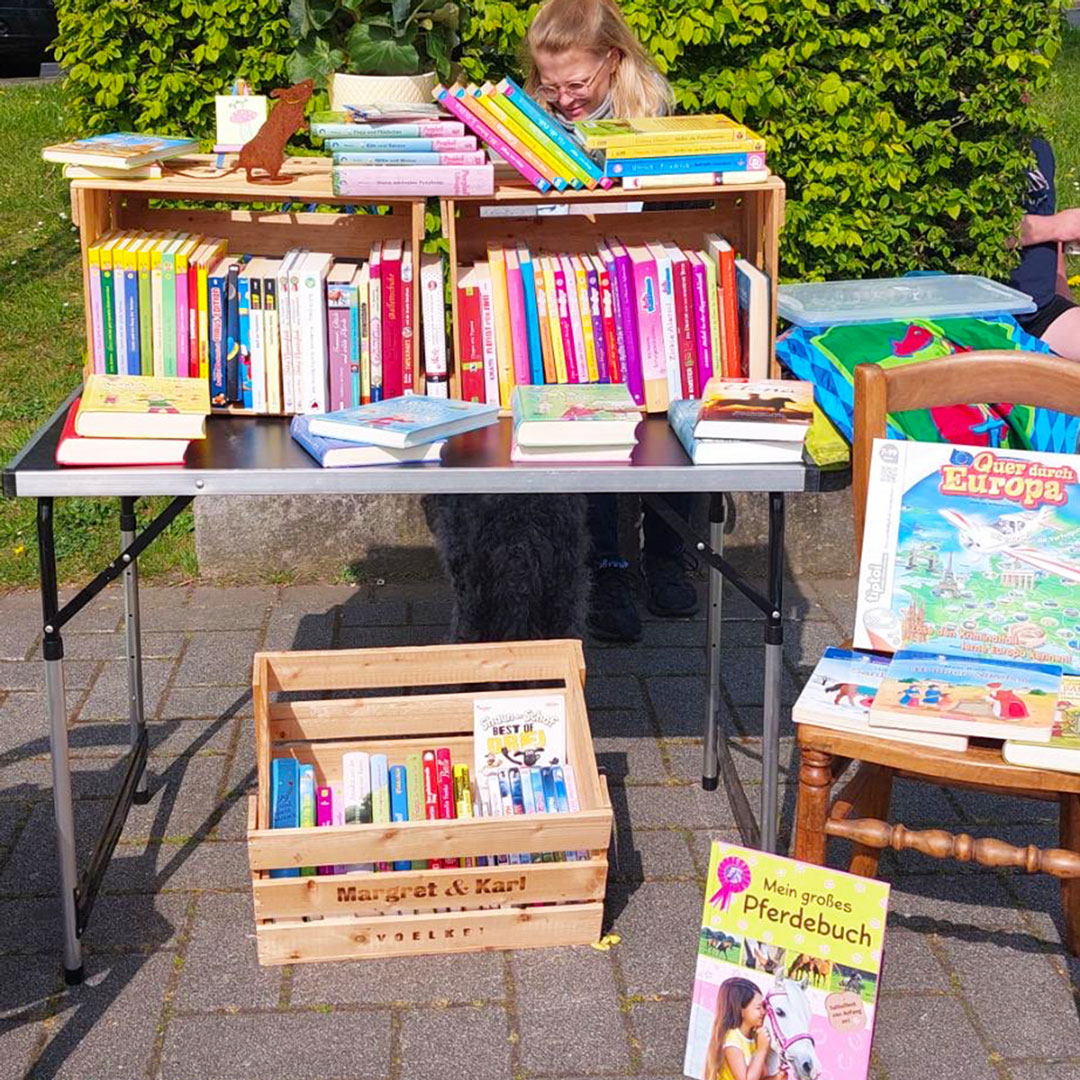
404,421
574,415
803,941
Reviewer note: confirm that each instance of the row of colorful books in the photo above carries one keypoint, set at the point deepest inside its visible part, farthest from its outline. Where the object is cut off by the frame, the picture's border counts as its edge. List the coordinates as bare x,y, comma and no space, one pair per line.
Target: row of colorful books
300,334
661,319
939,700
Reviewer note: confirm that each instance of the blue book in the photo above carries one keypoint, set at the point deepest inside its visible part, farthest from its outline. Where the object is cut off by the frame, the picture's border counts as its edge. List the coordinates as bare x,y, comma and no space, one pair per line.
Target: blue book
537,782
399,805
216,293
131,322
284,801
342,129
518,799
411,420
396,146
363,157
548,781
243,310
232,336
689,163
338,454
549,126
532,316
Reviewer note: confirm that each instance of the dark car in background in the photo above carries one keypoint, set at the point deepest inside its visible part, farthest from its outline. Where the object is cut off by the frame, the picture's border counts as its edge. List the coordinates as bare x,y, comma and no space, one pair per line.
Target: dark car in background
27,31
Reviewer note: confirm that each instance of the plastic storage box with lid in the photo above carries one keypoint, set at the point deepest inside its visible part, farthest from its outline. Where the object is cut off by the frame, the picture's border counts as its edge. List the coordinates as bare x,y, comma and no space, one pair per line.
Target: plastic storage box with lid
829,303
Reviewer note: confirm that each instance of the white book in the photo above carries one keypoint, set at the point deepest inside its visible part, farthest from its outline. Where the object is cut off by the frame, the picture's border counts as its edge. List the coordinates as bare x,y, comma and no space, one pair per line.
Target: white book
285,321
482,273
356,793
271,334
433,317
375,318
119,305
755,314
839,693
295,329
668,322
253,272
314,378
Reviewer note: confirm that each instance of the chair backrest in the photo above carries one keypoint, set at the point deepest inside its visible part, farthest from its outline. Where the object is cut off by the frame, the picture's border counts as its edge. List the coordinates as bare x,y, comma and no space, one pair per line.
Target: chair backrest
992,375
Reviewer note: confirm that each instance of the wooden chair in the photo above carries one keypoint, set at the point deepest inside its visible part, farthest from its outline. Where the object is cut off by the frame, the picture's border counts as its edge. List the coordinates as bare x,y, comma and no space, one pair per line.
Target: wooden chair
856,813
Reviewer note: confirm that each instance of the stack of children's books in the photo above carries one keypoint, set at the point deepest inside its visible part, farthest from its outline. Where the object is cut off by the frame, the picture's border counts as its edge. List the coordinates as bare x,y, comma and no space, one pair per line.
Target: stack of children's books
683,151
420,154
305,333
573,423
519,766
122,420
118,155
746,421
403,430
657,318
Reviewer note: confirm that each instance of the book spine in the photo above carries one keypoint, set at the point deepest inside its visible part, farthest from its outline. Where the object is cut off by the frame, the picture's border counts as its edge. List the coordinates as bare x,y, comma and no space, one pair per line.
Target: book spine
463,801
201,365
563,172
324,817
607,315
729,306
430,771
375,320
272,345
408,319
624,286
415,787
193,318
566,329
356,794
517,97
522,142
650,333
581,282
455,105
504,349
592,284
519,334
119,312
517,802
351,389
168,312
543,319
183,323
399,804
300,359
453,180
547,780
157,312
363,307
691,163
216,288
284,802
495,808
380,796
288,395
257,345
682,291
313,322
232,336
346,149
432,129
470,344
666,292
433,320
391,321
716,340
644,183
146,320
307,807
131,317
97,327
658,145
487,339
444,774
475,157
339,331
108,313
558,354
243,362
573,801
702,331
532,317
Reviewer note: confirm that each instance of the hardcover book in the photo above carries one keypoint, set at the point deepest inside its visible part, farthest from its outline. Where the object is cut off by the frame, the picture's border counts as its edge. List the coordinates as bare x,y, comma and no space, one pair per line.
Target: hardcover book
404,421
119,150
966,695
528,732
72,449
1062,752
839,693
683,417
776,409
971,550
804,943
338,454
574,415
635,130
143,407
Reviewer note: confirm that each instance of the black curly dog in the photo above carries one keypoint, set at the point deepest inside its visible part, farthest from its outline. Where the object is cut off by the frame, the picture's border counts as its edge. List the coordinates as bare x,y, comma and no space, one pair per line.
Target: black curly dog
517,564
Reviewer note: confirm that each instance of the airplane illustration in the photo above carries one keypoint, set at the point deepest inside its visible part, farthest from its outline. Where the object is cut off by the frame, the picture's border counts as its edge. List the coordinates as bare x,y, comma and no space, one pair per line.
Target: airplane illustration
1009,535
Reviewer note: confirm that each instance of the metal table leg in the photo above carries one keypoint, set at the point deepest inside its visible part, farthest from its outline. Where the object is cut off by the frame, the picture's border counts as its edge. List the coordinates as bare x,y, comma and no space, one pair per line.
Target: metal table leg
710,769
133,632
63,808
774,655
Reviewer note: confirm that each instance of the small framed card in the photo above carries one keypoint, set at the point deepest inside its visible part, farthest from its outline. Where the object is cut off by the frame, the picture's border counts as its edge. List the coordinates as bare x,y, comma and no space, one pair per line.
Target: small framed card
239,117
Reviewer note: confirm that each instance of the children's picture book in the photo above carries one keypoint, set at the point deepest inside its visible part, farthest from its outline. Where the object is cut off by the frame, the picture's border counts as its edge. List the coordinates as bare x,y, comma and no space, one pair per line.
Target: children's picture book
971,551
74,449
143,407
527,731
839,693
405,421
778,410
338,454
237,117
1062,752
683,417
799,945
967,695
119,150
574,415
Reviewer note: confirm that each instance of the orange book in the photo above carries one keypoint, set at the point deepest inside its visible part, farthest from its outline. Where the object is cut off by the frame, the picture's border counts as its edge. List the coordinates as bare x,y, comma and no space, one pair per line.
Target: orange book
727,293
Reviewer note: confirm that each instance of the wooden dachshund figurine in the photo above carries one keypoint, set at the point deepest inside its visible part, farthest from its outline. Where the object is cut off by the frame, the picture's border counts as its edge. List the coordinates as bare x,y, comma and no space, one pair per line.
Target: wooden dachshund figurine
266,149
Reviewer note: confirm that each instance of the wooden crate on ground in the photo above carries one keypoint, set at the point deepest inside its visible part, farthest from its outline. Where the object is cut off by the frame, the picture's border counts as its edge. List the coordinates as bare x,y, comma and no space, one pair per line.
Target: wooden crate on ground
315,706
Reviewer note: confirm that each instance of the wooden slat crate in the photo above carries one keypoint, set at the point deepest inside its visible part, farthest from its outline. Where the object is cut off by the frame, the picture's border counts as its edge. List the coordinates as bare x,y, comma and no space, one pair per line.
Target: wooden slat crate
408,700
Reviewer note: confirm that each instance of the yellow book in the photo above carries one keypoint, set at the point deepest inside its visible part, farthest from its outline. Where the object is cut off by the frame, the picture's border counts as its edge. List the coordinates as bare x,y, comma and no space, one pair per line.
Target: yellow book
212,251
482,107
661,146
540,288
143,407
604,134
500,303
581,281
561,166
554,324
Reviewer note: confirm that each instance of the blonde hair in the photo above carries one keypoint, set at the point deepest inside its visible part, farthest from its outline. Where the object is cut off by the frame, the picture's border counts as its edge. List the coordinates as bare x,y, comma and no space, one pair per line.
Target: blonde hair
598,26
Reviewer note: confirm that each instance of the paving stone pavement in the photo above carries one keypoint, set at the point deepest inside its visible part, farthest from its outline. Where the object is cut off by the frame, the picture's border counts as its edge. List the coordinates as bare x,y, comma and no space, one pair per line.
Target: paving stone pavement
976,984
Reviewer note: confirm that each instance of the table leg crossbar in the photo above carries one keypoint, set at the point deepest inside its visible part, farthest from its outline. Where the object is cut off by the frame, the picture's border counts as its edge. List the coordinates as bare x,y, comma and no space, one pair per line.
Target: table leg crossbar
77,893
718,763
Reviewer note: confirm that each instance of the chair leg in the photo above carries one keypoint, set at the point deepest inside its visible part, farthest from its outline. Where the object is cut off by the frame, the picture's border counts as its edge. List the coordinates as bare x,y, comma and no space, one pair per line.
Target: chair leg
812,807
873,802
1070,887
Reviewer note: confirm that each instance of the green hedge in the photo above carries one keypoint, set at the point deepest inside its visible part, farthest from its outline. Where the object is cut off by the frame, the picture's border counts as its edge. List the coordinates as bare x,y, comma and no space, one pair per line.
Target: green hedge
900,126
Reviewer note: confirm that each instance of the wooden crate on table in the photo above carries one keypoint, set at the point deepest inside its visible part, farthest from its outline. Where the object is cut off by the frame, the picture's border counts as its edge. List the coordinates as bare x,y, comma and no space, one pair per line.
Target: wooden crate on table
408,700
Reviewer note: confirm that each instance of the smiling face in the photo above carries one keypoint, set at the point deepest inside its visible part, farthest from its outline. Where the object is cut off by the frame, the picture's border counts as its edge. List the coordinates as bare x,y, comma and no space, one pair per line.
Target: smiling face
753,1015
579,79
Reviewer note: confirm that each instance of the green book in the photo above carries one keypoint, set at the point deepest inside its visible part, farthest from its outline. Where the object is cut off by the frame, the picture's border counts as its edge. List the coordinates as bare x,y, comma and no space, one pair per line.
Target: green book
574,415
108,315
307,807
414,779
168,304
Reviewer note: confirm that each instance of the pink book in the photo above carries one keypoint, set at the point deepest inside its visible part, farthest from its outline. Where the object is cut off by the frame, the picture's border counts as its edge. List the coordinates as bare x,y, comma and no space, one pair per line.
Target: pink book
574,310
193,313
702,333
339,343
650,328
562,305
408,337
425,129
454,102
391,318
519,334
324,815
625,318
97,342
413,180
183,327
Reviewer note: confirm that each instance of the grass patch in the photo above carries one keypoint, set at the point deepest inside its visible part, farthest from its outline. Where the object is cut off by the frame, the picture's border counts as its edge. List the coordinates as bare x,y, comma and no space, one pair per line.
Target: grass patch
42,344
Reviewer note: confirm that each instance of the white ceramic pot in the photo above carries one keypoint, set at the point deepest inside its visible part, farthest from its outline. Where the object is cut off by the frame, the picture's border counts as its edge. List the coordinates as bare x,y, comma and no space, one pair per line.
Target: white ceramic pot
372,89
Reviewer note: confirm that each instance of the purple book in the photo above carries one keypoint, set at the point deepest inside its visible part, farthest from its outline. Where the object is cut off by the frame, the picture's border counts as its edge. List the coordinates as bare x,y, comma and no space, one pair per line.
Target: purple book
624,307
703,335
339,341
593,279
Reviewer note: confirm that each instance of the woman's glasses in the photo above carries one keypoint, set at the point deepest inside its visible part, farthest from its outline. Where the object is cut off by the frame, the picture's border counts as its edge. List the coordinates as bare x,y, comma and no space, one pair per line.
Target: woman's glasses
575,90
